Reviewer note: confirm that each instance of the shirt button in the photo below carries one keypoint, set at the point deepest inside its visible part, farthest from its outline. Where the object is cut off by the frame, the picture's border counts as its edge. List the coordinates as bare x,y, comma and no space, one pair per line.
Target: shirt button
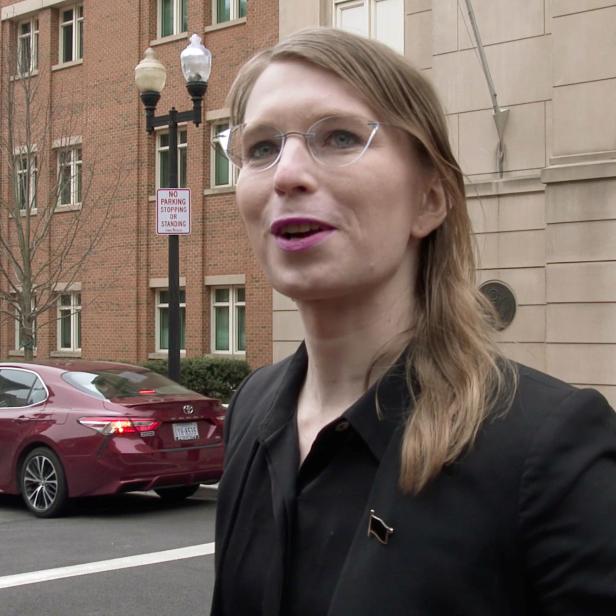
342,425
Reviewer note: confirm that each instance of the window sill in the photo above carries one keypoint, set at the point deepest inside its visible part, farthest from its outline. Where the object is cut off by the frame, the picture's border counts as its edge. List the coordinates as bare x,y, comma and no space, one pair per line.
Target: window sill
18,353
236,355
219,190
225,24
164,354
69,207
169,39
63,65
24,213
65,354
18,77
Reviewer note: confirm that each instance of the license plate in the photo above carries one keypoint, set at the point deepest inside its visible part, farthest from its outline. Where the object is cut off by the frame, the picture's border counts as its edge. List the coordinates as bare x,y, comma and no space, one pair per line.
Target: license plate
185,431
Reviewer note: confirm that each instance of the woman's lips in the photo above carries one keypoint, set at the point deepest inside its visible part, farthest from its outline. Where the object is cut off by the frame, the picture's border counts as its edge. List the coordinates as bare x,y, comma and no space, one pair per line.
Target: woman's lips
295,234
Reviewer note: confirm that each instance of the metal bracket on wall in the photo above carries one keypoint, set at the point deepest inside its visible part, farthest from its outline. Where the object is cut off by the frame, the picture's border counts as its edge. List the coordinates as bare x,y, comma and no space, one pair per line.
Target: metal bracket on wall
499,114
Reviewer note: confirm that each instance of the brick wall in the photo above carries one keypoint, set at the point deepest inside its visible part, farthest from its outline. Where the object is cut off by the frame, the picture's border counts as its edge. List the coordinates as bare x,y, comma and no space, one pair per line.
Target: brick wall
98,101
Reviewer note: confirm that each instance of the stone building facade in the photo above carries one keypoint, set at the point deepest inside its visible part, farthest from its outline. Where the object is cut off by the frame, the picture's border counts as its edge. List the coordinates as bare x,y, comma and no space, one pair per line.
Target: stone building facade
546,227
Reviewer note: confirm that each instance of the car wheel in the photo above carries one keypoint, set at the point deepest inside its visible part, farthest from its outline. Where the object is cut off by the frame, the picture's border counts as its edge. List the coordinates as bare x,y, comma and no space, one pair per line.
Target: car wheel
43,484
176,494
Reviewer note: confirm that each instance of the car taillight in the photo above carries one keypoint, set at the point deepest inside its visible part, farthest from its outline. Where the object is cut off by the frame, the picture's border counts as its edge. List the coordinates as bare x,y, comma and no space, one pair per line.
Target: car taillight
120,425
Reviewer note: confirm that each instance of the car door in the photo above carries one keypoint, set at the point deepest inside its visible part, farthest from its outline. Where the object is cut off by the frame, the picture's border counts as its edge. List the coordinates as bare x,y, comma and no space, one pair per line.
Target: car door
22,397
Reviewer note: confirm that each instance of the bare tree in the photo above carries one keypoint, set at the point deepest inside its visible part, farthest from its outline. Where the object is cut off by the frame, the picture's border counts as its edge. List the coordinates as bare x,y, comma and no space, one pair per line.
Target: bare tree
50,218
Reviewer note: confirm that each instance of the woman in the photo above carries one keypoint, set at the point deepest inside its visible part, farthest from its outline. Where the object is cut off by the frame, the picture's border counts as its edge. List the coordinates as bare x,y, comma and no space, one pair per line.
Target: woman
397,464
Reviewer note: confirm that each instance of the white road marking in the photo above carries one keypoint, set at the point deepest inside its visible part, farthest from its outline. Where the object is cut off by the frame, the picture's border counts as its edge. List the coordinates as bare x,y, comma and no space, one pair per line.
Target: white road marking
45,575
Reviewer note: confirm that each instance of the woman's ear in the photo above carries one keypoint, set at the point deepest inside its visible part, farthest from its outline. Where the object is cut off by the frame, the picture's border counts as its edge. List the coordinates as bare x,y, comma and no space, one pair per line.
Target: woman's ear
432,209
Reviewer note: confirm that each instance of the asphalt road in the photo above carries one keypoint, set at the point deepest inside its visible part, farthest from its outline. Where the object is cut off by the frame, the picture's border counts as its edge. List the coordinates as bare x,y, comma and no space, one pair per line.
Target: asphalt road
148,558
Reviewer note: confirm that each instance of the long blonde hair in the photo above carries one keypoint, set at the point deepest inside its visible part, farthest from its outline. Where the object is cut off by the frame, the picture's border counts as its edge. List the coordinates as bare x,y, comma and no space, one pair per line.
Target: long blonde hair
455,372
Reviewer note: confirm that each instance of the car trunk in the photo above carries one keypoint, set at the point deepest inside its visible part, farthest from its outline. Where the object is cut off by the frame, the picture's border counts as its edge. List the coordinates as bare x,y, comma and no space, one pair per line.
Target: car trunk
186,421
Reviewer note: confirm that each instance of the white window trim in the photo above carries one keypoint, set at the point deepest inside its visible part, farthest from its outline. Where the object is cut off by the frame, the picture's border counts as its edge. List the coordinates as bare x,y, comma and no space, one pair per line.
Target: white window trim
75,58
76,167
372,21
234,14
33,43
159,149
33,176
18,348
157,306
233,170
233,350
75,312
177,20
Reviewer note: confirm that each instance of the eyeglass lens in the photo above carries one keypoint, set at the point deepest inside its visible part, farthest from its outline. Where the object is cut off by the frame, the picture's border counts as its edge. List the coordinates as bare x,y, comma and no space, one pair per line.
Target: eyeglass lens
334,141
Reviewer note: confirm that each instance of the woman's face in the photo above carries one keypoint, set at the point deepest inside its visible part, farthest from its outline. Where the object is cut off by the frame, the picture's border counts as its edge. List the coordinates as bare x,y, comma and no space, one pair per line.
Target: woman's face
322,232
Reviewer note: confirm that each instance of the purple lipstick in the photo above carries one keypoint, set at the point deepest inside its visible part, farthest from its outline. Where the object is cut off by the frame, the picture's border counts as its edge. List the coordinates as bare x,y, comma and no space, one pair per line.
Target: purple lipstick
296,234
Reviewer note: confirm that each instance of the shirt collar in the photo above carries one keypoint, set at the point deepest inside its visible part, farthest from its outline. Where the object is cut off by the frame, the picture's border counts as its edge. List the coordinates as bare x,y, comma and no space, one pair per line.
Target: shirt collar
374,416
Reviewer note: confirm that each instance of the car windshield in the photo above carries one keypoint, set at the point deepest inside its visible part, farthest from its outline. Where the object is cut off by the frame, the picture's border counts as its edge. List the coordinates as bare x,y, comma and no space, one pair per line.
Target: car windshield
124,383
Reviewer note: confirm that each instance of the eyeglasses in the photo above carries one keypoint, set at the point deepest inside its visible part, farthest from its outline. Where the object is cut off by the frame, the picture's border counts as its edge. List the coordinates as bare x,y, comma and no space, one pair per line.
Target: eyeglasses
335,141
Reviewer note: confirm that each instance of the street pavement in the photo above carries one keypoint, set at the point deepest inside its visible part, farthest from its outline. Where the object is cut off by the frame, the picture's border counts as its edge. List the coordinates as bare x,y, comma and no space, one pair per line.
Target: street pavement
128,555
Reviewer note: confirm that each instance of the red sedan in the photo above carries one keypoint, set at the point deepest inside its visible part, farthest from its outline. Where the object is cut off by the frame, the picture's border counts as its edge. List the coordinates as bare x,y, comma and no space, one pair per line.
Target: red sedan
81,428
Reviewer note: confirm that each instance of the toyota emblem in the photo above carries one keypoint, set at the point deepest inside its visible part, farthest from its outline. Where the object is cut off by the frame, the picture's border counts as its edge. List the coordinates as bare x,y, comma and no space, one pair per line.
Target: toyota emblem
188,409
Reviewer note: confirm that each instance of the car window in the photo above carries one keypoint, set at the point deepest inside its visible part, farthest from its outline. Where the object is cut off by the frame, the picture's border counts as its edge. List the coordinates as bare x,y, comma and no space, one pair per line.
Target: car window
20,388
124,383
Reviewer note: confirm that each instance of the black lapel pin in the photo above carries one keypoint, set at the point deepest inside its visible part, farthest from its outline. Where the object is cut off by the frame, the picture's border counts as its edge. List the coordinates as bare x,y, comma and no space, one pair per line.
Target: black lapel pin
378,529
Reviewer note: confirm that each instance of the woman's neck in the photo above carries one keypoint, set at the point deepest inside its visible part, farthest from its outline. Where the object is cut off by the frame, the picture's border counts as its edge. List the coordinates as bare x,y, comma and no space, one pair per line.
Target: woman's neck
350,345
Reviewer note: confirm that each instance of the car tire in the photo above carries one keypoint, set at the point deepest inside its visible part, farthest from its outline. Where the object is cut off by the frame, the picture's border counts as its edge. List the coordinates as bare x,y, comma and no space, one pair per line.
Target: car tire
173,495
43,483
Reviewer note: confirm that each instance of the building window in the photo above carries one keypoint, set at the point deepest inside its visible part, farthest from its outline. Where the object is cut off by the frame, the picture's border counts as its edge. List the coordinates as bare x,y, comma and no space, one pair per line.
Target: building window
228,319
27,46
162,160
26,177
382,20
71,33
162,320
19,341
172,17
69,176
222,172
69,321
228,10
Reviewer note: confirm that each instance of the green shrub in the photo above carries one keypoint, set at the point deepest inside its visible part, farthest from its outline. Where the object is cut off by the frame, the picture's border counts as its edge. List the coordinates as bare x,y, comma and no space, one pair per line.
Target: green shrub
211,376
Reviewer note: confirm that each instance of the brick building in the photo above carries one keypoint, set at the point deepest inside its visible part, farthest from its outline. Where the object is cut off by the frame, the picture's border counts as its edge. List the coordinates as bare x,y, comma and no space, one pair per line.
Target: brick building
81,57
545,221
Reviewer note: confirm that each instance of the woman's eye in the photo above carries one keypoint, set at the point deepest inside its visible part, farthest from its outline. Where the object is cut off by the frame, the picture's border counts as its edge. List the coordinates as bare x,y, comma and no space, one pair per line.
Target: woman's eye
262,150
341,139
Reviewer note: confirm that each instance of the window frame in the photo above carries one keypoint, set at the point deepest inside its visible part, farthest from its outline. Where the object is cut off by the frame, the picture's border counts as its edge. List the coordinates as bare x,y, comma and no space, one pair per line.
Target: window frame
75,164
182,156
160,305
33,40
38,379
234,12
31,173
18,346
233,304
371,8
179,18
217,152
77,36
74,309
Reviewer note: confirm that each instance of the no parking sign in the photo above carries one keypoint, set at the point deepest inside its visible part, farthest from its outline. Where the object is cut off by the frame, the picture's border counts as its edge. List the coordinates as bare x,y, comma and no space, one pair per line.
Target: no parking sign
173,211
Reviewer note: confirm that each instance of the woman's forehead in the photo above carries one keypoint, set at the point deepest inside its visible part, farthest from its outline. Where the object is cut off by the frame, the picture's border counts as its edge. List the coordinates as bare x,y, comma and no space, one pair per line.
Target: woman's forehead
298,90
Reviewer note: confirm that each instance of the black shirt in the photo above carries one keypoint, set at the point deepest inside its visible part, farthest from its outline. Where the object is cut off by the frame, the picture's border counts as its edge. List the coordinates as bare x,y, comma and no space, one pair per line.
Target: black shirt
307,517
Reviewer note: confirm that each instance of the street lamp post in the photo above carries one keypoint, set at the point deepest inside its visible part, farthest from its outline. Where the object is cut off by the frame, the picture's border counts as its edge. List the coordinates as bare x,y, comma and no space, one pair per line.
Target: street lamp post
150,78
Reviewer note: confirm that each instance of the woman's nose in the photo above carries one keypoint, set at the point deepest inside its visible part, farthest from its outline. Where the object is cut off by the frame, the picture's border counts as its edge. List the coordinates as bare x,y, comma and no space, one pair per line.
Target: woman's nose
295,169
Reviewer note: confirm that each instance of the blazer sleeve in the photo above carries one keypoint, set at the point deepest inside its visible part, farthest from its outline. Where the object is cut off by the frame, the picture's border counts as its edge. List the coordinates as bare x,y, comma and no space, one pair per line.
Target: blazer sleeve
568,508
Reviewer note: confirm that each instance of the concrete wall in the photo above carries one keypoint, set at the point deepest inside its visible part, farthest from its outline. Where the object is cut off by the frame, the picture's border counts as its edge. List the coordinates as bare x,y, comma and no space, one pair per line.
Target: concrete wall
547,226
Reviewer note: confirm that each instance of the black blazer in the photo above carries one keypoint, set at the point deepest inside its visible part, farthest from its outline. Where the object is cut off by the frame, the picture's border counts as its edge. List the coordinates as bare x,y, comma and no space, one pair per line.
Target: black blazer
523,524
